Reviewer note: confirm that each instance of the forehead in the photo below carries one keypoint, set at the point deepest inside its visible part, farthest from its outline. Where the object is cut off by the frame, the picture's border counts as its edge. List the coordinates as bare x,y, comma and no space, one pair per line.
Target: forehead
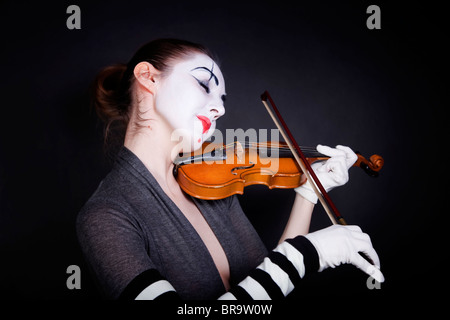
199,63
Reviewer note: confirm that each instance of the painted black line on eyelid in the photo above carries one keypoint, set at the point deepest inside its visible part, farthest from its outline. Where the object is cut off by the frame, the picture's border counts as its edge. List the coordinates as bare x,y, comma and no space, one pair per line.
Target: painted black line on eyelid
202,84
223,97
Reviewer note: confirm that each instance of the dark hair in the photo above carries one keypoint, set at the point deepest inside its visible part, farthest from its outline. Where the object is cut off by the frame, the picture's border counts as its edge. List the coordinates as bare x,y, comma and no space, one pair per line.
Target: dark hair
113,85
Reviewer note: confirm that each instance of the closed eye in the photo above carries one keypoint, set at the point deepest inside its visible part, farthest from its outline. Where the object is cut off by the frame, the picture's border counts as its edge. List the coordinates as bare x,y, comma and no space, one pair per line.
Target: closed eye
204,86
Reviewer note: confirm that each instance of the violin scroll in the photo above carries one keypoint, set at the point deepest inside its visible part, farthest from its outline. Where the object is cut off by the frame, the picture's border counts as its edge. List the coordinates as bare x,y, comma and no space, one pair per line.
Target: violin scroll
371,166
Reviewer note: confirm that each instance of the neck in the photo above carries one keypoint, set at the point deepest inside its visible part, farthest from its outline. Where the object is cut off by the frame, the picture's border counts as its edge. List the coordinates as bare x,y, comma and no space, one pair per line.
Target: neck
151,143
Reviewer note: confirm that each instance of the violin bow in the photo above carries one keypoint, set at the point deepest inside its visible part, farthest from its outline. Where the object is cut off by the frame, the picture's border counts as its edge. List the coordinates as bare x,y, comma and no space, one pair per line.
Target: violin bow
331,210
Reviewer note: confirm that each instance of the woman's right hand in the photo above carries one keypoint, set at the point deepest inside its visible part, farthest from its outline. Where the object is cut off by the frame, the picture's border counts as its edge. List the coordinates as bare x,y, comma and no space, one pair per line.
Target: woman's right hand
338,244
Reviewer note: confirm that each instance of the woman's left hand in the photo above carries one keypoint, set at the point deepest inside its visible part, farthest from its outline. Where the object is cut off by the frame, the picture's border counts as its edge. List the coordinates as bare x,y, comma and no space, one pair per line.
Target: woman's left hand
332,172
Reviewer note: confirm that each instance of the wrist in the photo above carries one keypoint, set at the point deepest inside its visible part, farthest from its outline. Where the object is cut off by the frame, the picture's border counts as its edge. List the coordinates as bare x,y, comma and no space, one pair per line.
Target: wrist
306,192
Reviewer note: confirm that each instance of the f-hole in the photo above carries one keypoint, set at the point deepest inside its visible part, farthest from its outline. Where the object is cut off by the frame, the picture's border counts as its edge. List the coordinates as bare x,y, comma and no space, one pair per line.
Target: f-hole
241,167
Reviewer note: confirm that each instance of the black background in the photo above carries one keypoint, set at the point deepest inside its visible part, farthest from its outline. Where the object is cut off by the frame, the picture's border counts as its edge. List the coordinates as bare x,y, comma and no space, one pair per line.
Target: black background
334,80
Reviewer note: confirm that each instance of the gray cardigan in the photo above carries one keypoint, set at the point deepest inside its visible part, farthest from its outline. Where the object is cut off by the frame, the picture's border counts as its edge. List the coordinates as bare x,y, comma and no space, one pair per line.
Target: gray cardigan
130,225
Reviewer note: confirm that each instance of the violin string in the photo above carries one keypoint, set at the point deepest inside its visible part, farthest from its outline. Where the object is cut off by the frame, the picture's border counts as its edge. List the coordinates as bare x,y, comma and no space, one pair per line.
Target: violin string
312,151
254,145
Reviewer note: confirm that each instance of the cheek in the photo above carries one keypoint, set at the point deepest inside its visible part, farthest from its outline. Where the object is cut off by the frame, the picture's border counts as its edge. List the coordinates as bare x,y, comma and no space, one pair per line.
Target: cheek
180,103
170,106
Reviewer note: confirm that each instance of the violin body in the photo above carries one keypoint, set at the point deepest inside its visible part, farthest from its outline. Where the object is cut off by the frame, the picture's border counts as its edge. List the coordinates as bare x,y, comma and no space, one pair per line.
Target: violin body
220,171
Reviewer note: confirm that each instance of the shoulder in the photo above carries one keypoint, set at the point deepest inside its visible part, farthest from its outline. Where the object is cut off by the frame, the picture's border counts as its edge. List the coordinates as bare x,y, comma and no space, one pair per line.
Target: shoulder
109,207
120,188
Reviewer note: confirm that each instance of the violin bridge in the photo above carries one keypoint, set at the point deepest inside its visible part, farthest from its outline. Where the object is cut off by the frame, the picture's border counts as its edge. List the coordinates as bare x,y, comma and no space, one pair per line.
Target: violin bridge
239,151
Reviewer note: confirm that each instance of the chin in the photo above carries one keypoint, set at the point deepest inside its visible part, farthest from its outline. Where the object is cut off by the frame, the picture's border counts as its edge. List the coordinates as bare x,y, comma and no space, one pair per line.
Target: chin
196,144
187,142
191,144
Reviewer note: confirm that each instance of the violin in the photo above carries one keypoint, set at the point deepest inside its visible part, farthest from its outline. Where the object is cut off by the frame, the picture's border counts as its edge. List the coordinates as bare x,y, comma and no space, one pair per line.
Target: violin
220,171
223,170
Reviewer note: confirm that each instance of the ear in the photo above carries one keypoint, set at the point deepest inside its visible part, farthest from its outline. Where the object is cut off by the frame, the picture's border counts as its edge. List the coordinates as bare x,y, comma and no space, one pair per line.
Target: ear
146,74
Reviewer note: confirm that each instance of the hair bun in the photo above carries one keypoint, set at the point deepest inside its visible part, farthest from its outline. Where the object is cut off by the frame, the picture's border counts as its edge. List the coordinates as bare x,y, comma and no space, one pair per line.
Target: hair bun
108,97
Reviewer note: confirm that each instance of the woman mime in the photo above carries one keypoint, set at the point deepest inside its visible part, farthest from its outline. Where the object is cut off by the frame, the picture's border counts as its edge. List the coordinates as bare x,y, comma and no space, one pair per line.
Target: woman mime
144,238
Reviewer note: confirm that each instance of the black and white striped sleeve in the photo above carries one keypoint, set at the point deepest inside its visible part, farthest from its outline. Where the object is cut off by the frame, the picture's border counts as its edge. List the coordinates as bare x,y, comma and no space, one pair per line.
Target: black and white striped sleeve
279,273
274,278
149,285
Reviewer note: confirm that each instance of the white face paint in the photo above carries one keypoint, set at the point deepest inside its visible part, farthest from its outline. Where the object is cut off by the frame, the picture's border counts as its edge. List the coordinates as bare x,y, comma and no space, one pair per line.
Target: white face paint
191,99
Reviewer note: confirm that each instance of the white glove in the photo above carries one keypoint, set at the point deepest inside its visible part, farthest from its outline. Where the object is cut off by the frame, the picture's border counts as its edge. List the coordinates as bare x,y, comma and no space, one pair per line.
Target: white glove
331,173
340,244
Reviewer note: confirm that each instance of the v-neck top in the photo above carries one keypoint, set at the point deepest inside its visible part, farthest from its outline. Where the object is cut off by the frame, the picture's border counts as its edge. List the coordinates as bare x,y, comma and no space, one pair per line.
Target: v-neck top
129,226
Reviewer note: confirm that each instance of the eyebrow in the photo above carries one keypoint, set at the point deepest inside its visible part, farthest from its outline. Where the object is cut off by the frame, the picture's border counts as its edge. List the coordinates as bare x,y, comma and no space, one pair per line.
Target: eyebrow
213,76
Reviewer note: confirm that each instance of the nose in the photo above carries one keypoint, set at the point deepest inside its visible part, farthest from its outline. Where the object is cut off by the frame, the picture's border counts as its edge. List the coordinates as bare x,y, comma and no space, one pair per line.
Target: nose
217,111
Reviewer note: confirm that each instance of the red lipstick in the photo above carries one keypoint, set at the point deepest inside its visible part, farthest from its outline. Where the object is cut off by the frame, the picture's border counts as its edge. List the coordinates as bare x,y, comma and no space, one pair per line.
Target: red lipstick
205,122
